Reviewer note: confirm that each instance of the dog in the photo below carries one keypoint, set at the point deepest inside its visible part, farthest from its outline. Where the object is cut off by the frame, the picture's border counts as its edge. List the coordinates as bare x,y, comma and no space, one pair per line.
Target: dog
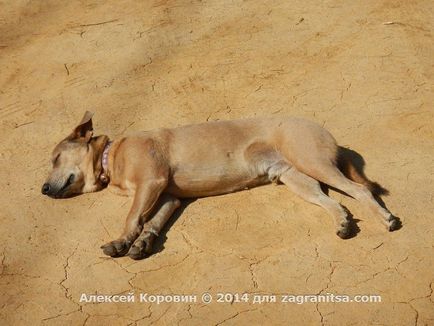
162,166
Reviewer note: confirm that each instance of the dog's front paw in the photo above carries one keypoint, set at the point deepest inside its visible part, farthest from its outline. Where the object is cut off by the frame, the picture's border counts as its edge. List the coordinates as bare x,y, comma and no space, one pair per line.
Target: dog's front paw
142,246
116,248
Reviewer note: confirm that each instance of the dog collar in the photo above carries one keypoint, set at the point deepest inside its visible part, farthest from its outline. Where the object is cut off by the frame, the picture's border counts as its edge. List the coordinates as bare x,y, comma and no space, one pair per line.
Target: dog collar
104,177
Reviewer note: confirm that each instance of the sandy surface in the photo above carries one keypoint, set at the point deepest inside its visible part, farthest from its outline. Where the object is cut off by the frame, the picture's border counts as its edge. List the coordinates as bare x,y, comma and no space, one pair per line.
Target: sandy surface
148,64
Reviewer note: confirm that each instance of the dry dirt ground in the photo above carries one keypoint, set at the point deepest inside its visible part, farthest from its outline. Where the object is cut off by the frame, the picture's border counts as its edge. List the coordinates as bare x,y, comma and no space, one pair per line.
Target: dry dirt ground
363,69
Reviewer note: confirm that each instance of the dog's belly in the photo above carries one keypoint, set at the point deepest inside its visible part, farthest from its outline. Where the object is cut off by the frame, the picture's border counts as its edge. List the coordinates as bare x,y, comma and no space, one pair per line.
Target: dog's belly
188,182
225,156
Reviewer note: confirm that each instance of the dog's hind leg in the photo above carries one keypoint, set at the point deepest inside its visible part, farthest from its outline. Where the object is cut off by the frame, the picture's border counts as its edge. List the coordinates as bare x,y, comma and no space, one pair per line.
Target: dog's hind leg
309,189
151,229
265,160
331,175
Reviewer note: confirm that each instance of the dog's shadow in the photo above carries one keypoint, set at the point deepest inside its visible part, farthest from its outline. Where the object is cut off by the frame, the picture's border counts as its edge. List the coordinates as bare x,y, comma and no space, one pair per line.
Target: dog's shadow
358,162
159,242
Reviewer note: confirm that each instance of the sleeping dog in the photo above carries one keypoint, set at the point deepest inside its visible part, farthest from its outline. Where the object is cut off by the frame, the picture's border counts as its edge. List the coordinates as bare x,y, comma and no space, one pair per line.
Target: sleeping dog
160,167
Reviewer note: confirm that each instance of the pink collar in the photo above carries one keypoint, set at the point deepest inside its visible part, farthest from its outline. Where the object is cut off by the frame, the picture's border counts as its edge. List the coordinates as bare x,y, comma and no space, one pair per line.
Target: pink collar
104,162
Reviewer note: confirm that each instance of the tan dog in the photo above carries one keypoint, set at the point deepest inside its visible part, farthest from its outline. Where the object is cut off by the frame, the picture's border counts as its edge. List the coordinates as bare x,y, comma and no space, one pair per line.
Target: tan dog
160,166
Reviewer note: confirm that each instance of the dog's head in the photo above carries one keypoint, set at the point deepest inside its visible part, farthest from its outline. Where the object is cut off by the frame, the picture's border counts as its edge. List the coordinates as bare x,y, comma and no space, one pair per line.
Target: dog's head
76,162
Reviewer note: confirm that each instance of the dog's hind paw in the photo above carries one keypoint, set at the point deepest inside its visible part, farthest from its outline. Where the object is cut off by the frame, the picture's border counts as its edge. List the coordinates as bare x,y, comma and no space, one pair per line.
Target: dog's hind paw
393,224
142,246
345,230
116,248
343,233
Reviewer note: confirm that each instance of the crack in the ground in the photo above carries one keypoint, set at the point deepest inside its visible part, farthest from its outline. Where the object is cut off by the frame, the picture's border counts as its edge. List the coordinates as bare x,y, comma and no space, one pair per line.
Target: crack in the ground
399,263
135,274
332,270
135,321
190,316
104,227
3,268
66,291
253,263
307,278
431,293
132,321
189,243
374,275
110,315
85,321
201,250
166,265
3,262
428,296
316,251
161,316
315,244
24,275
60,315
416,317
65,270
330,276
237,220
234,316
127,271
253,277
320,313
378,246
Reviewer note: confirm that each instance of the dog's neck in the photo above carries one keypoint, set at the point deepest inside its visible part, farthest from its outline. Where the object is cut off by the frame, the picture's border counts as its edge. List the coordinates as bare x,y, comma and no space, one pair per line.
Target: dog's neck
101,146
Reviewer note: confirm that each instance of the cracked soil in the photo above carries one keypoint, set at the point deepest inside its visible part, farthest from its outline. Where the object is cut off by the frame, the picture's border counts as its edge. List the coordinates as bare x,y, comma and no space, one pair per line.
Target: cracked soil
364,70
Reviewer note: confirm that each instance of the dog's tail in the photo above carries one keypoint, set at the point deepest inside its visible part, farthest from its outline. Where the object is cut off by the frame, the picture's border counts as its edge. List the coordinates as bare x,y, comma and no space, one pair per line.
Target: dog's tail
348,168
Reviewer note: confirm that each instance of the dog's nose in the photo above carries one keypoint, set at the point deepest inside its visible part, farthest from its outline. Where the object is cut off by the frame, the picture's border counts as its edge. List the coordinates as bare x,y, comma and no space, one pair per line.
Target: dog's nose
45,188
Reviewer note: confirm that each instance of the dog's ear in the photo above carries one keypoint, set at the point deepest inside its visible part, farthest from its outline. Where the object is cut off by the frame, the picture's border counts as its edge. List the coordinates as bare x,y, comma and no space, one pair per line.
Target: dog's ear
84,130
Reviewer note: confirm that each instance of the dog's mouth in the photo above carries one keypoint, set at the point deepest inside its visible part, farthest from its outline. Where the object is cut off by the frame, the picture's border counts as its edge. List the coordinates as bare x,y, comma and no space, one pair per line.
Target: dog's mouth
65,187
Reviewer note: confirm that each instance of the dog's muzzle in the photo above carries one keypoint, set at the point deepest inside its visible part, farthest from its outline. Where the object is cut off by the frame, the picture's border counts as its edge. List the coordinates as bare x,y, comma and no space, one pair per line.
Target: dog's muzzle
52,191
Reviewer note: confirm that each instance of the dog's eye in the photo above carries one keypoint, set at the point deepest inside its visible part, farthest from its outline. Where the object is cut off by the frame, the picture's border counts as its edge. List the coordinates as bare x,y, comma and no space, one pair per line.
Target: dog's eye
56,159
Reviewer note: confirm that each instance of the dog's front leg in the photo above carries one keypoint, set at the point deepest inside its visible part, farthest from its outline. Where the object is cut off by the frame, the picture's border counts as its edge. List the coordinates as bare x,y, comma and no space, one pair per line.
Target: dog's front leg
146,196
143,245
